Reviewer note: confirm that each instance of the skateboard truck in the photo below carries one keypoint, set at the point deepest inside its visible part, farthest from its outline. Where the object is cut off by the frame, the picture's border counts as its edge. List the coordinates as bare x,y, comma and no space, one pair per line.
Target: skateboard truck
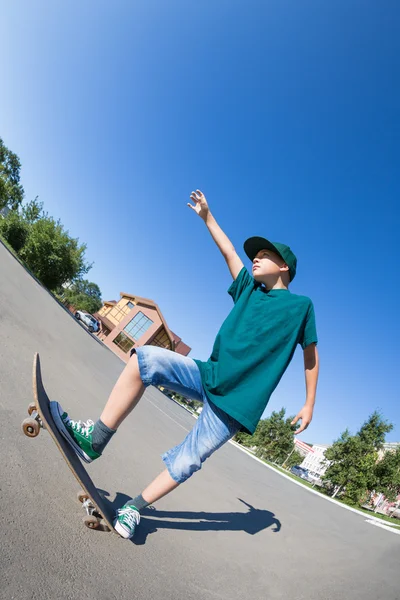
89,507
32,426
94,518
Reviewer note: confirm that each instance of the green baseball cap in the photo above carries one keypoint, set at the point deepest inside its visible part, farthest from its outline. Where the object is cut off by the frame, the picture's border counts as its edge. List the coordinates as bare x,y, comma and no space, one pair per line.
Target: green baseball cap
253,245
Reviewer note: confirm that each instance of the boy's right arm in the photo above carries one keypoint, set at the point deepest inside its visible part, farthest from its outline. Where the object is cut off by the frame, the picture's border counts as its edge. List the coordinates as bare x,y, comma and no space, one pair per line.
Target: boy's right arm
233,261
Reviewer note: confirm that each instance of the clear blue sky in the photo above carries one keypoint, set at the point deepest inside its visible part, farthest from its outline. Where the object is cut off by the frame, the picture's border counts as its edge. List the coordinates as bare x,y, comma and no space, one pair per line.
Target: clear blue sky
285,113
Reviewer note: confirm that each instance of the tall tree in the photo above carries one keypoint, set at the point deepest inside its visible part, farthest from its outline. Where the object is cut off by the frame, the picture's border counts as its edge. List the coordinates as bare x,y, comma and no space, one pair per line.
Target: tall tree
274,437
84,295
295,458
11,191
33,211
388,475
52,254
354,457
245,439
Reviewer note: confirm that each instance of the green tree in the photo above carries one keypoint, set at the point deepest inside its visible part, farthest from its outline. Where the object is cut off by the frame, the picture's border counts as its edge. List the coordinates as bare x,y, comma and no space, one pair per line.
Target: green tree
245,439
295,458
353,460
15,230
274,437
84,295
33,211
11,191
52,255
388,475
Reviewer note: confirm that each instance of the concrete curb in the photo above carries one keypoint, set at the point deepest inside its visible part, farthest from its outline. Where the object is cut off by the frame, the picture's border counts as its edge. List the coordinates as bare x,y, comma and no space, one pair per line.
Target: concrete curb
369,519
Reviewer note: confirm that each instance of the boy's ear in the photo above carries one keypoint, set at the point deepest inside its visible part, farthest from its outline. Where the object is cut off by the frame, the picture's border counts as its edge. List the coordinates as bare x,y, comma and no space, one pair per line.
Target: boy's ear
284,267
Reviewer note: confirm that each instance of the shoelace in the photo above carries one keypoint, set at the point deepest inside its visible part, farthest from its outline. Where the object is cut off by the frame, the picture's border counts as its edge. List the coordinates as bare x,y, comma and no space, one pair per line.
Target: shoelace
81,427
131,516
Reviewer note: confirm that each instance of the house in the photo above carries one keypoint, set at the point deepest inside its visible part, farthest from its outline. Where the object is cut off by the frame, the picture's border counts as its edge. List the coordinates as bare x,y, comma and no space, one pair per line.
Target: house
135,321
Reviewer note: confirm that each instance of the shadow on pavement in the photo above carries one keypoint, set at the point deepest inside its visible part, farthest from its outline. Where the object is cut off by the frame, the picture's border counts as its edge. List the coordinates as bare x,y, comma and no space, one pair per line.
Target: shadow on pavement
252,521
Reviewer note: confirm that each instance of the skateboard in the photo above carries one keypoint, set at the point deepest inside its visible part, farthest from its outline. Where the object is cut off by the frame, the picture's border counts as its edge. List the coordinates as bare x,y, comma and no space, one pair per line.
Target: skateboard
97,511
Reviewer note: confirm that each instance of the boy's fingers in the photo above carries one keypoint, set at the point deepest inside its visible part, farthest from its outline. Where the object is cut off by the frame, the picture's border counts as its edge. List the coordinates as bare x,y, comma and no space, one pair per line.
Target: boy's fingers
194,197
303,426
199,192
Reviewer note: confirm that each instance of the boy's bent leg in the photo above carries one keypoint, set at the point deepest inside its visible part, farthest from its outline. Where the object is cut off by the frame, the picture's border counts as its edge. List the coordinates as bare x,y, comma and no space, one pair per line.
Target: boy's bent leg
212,430
89,439
125,395
149,365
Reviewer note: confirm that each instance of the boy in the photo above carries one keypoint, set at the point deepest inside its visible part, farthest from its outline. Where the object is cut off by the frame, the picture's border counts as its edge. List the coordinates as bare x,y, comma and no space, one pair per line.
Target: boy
251,352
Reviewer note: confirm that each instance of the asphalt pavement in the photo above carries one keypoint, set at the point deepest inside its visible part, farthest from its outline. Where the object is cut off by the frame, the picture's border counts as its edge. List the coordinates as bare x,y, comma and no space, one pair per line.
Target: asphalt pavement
235,530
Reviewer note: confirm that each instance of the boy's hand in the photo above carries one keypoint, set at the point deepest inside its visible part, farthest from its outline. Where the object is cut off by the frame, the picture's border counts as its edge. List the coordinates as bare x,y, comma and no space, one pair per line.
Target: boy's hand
201,206
305,415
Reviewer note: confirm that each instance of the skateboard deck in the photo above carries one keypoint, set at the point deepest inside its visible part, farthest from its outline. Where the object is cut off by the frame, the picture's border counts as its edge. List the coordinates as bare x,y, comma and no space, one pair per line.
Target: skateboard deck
98,514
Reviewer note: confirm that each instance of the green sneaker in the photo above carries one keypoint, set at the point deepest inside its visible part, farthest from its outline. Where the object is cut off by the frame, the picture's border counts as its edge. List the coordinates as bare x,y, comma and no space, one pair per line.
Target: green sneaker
126,521
77,433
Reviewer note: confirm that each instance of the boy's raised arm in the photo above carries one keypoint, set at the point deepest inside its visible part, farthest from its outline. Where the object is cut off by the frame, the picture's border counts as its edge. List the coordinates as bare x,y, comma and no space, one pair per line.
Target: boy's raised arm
223,242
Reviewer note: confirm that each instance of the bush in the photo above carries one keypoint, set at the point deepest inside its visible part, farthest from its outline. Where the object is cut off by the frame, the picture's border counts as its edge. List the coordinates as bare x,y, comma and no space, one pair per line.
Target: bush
14,230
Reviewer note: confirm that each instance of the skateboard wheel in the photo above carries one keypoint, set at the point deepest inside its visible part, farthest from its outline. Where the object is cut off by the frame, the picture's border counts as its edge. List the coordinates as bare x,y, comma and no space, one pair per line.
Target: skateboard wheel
30,427
31,408
92,522
82,496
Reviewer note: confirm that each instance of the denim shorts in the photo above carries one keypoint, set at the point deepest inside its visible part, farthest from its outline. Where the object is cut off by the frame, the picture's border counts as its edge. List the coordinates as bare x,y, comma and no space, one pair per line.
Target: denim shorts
213,428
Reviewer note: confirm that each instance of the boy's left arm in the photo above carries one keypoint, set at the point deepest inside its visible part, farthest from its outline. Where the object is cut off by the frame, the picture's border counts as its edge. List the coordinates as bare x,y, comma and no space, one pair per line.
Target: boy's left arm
311,369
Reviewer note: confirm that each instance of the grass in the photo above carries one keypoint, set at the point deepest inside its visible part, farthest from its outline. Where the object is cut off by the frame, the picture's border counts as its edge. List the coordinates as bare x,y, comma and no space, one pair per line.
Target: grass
17,257
10,249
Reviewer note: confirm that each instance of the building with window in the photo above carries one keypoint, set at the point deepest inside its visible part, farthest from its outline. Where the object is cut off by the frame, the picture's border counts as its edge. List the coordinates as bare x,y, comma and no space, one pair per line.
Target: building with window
315,461
135,321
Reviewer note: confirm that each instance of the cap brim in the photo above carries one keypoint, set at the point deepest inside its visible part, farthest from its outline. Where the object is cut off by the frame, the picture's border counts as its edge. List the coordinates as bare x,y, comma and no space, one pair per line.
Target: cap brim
253,245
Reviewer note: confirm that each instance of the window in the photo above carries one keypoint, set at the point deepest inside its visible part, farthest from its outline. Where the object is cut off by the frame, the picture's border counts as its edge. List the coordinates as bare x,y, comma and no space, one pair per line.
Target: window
138,326
119,312
123,342
162,340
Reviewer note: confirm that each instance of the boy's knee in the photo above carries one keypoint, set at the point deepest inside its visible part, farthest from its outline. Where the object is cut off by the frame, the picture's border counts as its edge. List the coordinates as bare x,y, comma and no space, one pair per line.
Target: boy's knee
182,462
186,469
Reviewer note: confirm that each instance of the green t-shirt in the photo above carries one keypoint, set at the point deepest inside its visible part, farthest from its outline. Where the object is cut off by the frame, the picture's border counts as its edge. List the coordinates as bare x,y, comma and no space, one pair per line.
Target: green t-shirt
254,348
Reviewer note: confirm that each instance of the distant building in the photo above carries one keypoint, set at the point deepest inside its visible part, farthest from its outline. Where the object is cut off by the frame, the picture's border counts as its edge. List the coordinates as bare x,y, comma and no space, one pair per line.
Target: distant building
391,445
303,448
135,321
314,461
388,447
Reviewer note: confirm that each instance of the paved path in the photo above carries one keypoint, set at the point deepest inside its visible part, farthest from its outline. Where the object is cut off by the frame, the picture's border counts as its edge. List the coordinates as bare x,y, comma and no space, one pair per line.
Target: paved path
235,530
